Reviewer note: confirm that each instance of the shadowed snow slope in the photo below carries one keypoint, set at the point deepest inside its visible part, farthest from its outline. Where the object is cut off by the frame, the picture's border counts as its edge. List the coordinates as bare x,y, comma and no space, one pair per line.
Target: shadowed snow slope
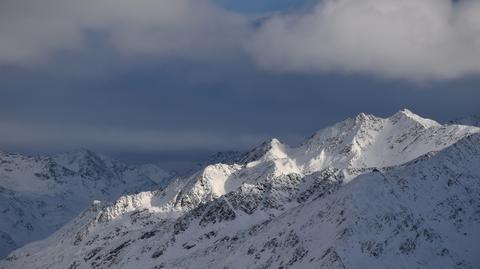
38,195
401,192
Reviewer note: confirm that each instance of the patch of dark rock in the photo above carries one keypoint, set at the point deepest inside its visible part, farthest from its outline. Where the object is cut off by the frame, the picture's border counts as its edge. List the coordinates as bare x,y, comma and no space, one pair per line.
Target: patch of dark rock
114,253
159,252
246,201
148,234
140,215
407,247
210,234
272,243
74,265
372,248
298,255
344,233
331,259
92,253
188,245
444,252
219,211
291,240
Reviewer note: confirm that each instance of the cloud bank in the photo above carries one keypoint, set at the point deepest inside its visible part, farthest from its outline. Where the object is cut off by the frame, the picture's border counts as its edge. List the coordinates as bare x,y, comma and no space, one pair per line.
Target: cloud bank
415,39
61,137
412,39
31,31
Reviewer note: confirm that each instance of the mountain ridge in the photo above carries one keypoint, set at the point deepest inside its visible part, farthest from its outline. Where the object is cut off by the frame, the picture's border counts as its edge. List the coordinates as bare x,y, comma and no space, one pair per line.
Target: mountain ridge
39,194
224,215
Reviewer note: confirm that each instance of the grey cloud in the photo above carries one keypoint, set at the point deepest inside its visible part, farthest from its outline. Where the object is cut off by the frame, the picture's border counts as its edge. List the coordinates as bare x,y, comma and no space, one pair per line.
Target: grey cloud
32,30
414,39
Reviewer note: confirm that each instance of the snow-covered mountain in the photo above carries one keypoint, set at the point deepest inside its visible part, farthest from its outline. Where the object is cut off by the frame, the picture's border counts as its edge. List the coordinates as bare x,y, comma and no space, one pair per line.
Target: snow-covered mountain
38,195
226,157
400,192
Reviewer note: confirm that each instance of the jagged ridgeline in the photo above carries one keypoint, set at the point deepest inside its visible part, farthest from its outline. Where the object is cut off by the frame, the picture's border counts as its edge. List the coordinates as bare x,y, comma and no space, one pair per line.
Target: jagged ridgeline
368,192
38,195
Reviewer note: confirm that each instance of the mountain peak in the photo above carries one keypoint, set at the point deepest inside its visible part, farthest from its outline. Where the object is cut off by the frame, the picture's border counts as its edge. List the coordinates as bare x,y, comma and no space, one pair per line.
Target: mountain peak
274,142
364,121
361,116
406,115
277,150
406,111
258,152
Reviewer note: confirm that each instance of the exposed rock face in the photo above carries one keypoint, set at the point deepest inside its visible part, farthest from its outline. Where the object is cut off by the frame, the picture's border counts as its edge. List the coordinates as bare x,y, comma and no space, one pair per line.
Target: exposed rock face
401,192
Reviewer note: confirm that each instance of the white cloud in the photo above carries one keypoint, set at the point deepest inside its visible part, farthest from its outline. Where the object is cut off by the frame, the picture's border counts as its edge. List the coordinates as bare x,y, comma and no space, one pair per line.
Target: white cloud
414,39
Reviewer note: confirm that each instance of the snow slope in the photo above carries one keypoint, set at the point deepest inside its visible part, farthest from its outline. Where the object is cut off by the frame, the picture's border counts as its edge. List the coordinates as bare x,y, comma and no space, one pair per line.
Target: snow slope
400,192
38,195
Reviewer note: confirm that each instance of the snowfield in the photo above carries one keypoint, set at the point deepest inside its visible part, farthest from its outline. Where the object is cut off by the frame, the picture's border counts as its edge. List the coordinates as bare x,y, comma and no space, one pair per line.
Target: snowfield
368,192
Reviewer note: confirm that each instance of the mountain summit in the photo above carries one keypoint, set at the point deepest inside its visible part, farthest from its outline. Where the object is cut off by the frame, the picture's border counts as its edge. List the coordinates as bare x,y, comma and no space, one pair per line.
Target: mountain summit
368,192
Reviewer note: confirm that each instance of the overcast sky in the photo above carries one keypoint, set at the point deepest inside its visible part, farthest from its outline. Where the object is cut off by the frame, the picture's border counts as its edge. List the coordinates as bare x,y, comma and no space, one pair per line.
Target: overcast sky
170,81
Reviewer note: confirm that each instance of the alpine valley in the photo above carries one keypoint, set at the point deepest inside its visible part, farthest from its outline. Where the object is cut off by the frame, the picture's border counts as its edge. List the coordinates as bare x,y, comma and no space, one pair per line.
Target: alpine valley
368,192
